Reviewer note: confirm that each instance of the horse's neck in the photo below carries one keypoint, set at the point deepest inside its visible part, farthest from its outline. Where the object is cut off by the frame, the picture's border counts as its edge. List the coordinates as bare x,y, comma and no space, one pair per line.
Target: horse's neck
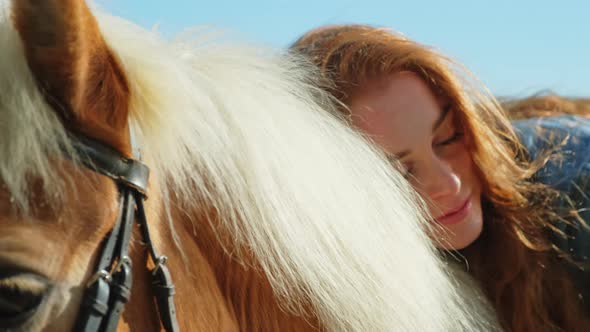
246,289
200,304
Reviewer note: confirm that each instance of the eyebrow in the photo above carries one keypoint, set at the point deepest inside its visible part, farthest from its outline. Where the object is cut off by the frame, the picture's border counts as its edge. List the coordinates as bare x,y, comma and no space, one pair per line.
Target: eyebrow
437,123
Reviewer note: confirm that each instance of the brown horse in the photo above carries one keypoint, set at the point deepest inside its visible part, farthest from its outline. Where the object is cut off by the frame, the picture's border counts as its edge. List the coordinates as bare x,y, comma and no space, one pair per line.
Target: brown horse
273,214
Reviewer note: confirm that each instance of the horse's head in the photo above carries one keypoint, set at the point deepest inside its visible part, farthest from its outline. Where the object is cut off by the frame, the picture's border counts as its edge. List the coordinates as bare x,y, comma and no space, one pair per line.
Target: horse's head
58,79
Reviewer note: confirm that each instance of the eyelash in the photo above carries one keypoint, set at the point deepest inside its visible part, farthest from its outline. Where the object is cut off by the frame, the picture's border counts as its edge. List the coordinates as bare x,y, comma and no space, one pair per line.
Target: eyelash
454,138
457,136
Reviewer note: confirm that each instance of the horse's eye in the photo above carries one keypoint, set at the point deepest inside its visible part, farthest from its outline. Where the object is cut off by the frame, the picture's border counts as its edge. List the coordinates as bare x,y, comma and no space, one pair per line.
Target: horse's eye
21,294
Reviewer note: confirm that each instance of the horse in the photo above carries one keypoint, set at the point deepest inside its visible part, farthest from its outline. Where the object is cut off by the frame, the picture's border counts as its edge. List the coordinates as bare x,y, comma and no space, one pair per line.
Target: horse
261,210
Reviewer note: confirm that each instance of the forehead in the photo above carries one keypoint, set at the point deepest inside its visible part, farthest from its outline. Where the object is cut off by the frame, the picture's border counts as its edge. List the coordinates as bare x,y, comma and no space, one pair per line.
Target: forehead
397,111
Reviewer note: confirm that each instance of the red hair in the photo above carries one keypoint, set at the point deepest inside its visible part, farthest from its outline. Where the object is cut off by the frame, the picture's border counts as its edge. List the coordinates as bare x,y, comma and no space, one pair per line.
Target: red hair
528,285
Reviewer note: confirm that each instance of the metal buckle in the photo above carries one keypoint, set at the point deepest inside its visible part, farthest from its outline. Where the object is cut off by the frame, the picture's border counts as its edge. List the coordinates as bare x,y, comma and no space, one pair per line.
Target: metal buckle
160,261
102,274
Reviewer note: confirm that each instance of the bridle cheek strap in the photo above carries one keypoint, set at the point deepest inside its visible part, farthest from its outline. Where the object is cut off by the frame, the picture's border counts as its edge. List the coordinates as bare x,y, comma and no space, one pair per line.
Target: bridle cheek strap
109,288
162,284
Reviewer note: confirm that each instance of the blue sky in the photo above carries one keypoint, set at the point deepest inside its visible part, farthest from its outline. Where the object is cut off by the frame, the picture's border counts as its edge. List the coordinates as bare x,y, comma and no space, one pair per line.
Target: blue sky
515,47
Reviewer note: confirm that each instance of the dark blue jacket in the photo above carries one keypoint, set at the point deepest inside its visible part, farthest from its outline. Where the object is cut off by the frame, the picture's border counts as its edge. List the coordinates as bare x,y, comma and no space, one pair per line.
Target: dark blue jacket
568,172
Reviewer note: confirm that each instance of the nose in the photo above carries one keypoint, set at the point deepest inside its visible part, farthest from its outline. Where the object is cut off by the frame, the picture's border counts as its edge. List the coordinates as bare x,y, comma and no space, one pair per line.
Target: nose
440,180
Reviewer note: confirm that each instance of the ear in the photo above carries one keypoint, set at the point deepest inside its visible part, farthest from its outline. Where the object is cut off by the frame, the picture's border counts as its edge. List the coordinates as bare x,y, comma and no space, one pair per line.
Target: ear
78,74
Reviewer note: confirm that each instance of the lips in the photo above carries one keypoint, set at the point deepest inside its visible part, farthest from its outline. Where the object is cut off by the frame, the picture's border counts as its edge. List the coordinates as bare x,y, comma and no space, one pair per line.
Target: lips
457,214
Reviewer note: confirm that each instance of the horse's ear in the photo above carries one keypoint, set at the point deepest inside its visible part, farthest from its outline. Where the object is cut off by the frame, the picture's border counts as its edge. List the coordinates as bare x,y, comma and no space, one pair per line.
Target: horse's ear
75,69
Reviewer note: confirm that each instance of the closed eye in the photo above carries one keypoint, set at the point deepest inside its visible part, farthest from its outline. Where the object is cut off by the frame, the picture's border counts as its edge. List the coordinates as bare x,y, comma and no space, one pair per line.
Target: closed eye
457,136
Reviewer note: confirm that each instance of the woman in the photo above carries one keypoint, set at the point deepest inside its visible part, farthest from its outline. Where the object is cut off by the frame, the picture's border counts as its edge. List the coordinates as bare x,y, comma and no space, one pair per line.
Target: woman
462,154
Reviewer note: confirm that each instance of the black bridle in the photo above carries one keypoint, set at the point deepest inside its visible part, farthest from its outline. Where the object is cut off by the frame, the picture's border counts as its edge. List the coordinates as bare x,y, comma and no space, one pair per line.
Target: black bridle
109,288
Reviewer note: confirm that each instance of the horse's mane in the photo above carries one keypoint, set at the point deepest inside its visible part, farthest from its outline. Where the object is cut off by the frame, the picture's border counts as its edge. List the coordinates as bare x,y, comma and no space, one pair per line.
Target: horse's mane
545,104
239,130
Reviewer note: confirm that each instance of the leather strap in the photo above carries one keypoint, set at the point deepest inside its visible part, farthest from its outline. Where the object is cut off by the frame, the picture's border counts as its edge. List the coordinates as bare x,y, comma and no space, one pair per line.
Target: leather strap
95,302
164,292
161,280
109,288
122,278
107,161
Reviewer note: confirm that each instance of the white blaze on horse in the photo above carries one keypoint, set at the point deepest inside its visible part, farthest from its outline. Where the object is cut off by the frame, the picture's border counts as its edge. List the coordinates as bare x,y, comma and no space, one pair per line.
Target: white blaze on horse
274,216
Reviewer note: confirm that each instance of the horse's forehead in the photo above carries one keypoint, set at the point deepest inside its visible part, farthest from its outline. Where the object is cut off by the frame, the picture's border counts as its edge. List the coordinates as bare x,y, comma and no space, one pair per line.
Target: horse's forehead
81,194
68,227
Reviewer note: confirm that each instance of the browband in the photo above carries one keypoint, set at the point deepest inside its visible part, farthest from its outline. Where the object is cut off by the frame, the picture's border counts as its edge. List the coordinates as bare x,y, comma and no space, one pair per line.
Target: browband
108,161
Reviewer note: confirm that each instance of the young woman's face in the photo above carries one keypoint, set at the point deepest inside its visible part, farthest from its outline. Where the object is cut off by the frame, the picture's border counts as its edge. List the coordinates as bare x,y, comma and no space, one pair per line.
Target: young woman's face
403,116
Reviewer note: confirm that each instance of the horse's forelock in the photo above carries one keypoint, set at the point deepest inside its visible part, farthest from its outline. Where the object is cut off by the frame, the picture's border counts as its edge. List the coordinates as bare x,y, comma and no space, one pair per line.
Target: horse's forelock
30,132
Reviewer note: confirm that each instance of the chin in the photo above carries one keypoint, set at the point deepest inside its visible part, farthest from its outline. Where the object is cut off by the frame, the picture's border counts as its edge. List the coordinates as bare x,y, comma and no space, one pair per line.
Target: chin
459,236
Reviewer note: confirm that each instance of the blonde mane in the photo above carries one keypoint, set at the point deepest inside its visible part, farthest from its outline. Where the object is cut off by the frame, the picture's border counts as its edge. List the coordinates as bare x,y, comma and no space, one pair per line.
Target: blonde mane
241,131
27,123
